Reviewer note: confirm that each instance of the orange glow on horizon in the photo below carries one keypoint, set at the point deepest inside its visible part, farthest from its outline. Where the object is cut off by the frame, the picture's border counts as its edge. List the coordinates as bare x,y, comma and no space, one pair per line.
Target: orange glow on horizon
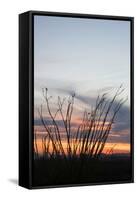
118,148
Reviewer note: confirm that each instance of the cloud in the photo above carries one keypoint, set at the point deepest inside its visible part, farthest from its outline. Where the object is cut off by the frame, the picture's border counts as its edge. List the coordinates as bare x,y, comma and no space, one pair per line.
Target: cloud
121,128
122,121
37,122
120,137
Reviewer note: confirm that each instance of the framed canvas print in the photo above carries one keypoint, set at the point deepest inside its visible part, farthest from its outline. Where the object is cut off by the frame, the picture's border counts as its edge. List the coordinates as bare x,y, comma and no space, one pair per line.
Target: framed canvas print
75,99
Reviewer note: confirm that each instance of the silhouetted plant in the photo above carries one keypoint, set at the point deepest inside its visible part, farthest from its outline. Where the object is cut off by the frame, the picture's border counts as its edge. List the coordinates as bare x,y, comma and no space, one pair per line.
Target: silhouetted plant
91,135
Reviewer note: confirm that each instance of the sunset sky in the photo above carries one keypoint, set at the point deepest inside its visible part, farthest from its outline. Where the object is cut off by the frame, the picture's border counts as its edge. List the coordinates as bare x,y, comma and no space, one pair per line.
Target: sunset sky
85,56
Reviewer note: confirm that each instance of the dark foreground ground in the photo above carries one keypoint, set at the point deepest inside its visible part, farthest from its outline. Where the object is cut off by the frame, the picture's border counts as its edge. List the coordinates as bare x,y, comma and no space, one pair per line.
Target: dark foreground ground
50,172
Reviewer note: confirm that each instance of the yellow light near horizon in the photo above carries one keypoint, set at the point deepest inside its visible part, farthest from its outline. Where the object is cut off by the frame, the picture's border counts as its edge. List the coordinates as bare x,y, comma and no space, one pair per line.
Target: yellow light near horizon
118,148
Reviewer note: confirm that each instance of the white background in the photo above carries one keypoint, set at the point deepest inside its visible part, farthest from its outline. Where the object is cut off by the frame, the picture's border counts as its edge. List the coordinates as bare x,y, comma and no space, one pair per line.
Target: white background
9,10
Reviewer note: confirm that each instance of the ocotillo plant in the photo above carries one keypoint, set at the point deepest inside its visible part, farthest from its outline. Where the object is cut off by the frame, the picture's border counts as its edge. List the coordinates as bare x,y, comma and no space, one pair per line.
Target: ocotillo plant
89,138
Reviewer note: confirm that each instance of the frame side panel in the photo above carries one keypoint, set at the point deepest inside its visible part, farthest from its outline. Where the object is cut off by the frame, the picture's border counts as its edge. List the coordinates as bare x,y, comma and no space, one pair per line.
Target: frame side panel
24,100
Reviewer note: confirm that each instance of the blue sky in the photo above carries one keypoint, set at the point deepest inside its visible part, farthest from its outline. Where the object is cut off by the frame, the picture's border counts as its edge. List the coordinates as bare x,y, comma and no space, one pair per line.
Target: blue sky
85,56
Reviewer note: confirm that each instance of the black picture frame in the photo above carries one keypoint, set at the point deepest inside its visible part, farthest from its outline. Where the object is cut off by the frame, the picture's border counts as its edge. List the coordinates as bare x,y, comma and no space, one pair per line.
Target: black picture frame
26,94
